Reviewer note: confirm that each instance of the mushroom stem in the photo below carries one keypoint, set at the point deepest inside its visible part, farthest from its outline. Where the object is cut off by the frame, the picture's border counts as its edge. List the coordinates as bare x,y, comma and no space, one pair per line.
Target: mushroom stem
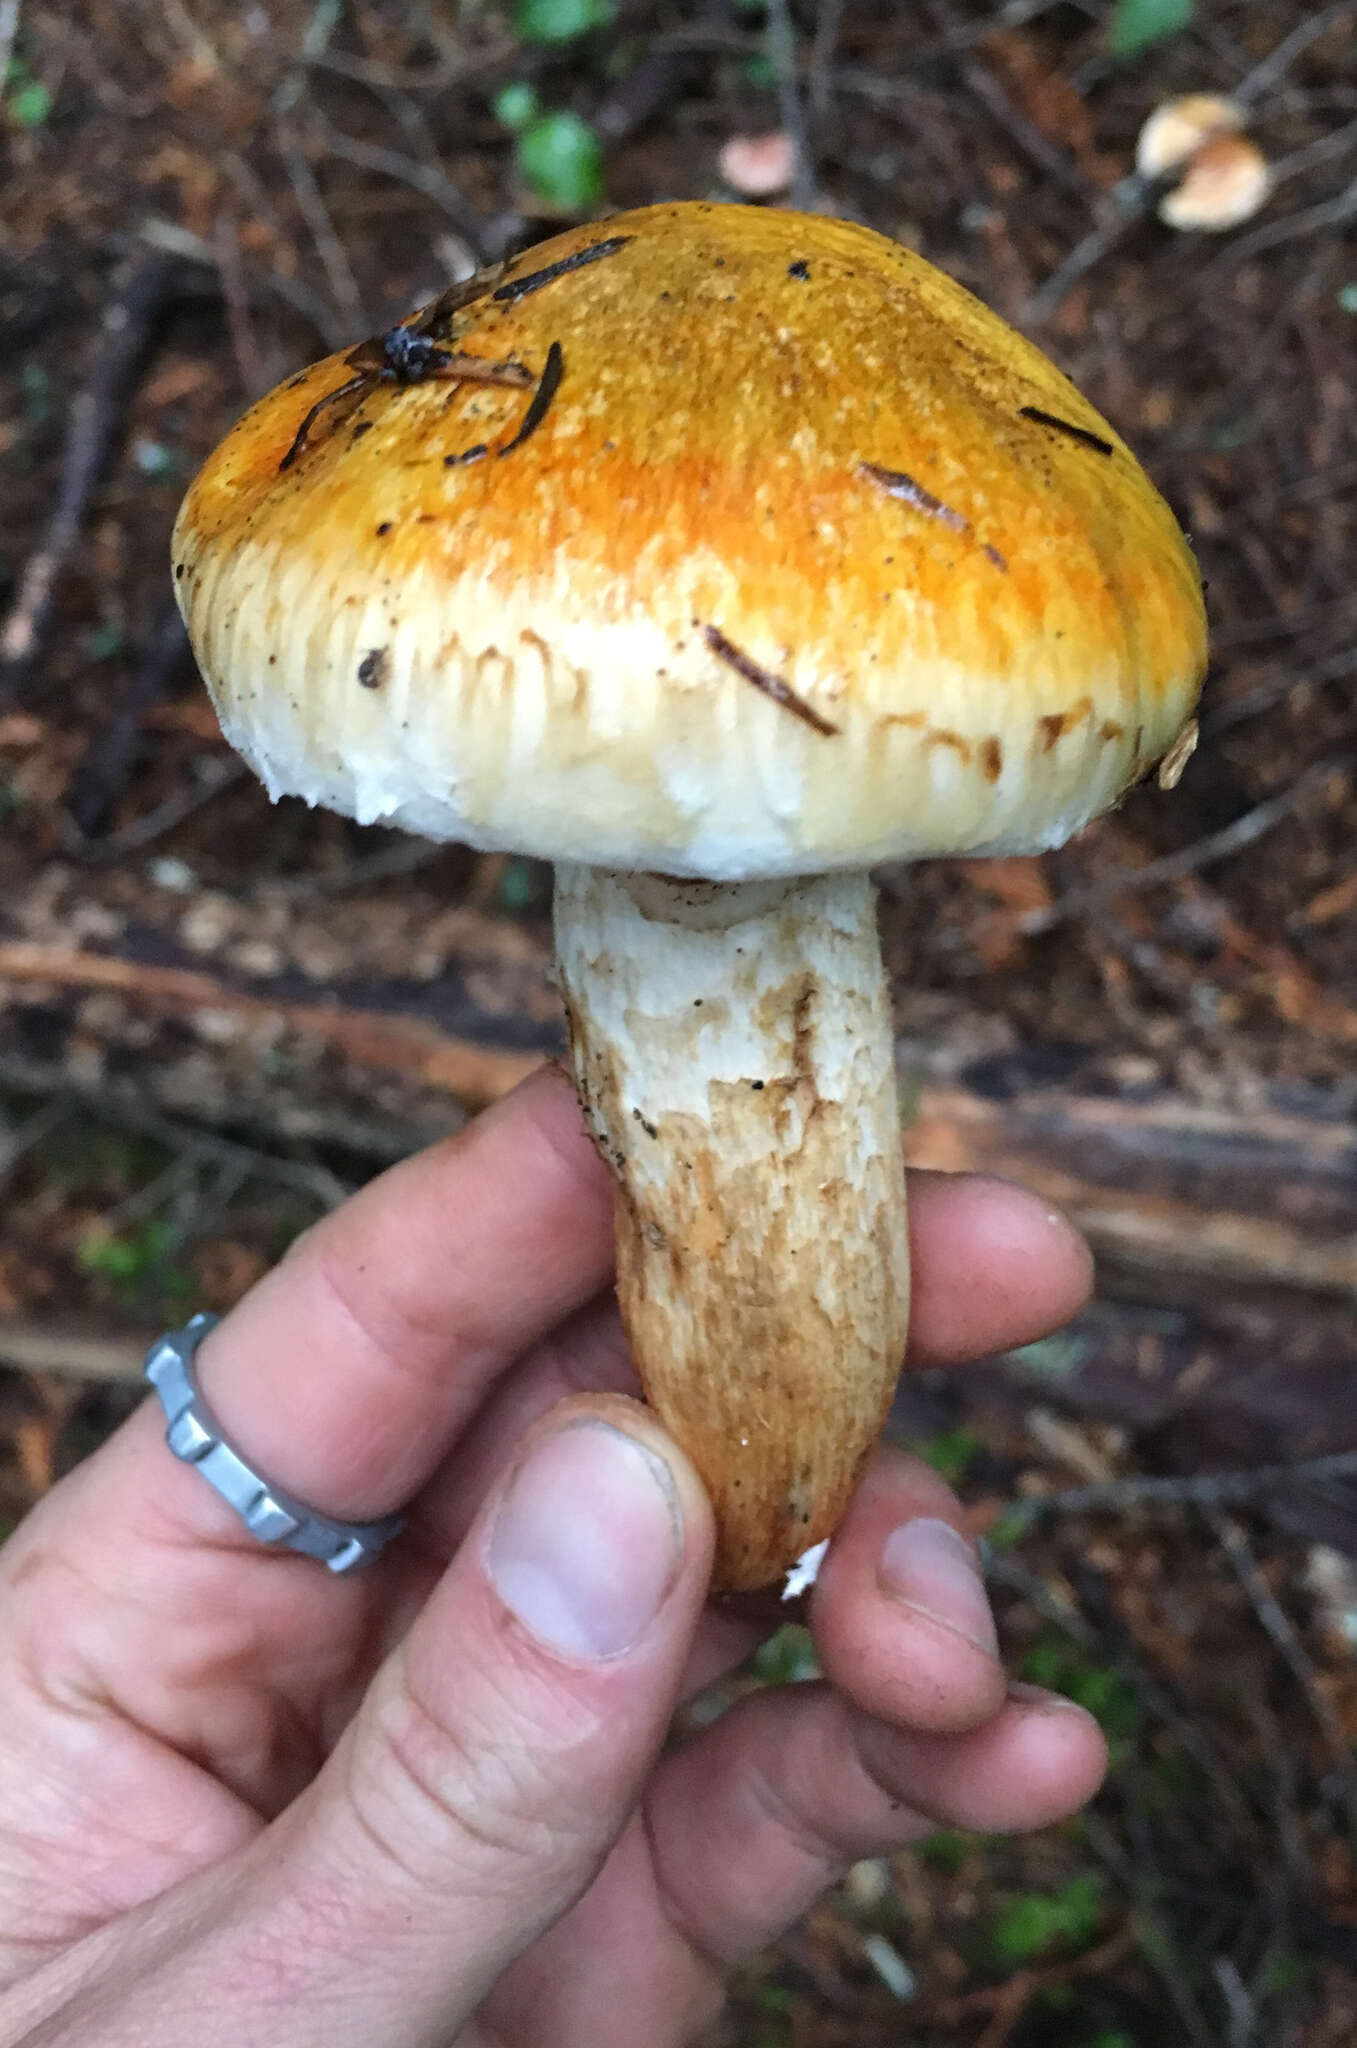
733,1051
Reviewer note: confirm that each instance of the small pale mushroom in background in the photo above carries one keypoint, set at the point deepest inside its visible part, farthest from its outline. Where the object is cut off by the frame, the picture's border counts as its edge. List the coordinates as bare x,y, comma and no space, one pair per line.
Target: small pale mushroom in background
1220,177
1179,127
715,554
1226,181
758,166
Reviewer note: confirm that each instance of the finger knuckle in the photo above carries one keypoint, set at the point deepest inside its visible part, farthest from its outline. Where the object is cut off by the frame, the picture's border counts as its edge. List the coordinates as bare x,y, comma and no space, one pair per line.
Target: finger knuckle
430,1789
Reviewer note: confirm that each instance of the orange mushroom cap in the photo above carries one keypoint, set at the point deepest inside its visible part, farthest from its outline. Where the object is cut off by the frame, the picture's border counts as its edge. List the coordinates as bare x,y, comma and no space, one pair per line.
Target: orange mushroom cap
780,553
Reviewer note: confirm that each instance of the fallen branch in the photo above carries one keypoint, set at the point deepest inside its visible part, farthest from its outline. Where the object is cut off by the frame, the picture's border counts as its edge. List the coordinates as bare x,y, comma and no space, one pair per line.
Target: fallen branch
143,1101
475,1074
107,766
36,1347
1185,860
1209,1491
1166,1190
1004,2004
1280,1629
1269,72
96,419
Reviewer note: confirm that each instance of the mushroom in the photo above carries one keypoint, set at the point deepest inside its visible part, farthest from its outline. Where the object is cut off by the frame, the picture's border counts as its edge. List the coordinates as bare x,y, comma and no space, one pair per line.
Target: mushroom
1225,182
1219,177
1178,127
758,166
751,550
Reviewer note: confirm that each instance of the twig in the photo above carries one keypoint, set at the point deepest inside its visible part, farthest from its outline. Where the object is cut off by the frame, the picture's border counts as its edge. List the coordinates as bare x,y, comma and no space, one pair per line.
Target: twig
1159,1946
254,378
450,70
9,29
782,56
1003,1569
339,271
1272,68
145,1200
1132,200
1053,163
217,774
1339,613
32,1131
1278,1626
315,41
107,765
1007,2002
201,50
1337,142
1241,2012
1332,670
819,84
120,1098
194,1213
405,856
96,416
1206,1490
1330,213
486,239
1187,860
174,240
33,1347
303,1177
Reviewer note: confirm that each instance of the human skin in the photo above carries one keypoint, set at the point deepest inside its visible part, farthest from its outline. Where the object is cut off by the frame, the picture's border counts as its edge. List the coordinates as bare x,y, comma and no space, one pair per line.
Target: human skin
243,1802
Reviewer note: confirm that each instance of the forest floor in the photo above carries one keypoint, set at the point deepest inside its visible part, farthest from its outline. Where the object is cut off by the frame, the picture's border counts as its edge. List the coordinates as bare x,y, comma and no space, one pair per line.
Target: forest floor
216,1017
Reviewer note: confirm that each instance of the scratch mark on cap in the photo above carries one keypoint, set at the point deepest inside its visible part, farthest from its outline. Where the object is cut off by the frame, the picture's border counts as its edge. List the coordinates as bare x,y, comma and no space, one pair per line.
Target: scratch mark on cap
763,679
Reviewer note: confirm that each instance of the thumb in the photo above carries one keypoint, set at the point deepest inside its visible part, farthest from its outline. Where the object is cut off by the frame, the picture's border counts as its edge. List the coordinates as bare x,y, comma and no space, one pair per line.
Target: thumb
502,1746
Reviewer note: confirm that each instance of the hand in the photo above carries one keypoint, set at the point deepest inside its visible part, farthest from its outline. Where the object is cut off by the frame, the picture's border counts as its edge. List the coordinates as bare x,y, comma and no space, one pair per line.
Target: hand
244,1802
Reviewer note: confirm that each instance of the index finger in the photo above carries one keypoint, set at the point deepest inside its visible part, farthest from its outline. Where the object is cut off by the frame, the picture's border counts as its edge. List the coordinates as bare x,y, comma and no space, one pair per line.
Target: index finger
348,1370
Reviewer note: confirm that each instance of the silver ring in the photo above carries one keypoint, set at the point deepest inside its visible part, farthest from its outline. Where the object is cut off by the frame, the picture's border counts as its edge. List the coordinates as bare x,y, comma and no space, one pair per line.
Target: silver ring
271,1515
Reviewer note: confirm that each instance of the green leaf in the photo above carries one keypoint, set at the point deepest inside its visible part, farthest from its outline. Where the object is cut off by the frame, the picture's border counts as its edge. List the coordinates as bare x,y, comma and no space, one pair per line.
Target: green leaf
516,105
787,1658
1138,24
124,1260
518,884
1009,1530
559,21
36,387
947,1850
1032,1923
105,642
1347,297
561,159
131,1262
1063,1667
30,104
951,1452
